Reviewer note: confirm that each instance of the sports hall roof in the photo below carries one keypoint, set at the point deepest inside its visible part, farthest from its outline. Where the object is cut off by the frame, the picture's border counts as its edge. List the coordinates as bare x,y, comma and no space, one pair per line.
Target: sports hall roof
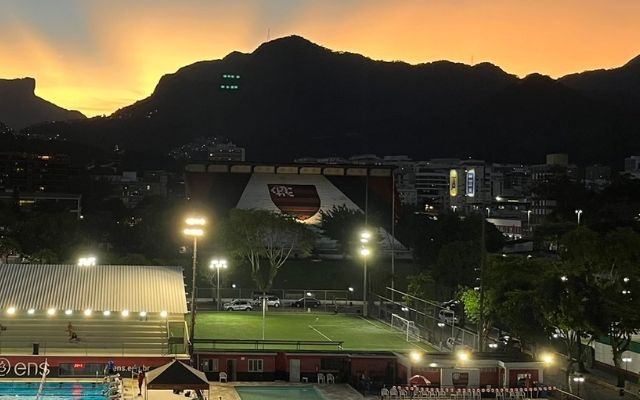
102,287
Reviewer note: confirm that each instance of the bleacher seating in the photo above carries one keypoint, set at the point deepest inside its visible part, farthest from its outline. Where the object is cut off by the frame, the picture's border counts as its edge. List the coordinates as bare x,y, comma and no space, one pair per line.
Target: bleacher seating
96,335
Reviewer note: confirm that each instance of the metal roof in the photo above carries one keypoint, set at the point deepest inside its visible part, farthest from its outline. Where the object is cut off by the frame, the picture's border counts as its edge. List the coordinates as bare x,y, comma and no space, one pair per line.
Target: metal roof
99,288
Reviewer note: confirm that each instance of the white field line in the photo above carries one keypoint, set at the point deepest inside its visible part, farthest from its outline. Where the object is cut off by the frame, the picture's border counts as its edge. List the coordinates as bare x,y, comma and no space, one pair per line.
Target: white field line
320,333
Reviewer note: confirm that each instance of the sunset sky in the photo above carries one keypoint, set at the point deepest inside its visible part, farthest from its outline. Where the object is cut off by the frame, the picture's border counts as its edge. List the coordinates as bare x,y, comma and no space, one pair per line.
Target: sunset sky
97,56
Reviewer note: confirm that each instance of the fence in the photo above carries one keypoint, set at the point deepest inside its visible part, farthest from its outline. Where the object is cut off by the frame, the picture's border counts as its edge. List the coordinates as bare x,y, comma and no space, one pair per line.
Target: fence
330,299
443,333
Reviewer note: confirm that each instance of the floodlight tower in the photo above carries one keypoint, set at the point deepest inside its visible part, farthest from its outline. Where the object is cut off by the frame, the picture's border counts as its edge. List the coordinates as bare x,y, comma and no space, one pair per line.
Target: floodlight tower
195,230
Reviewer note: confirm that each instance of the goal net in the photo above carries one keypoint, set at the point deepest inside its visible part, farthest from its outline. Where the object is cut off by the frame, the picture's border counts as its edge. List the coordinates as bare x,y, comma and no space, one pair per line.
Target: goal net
406,326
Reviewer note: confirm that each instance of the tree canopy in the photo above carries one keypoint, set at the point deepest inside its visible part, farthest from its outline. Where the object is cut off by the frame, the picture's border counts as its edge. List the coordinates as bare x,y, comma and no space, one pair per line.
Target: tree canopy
265,240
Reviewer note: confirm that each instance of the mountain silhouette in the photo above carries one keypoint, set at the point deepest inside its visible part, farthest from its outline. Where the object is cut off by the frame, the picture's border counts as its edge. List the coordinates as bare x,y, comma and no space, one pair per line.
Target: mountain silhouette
20,107
618,85
292,98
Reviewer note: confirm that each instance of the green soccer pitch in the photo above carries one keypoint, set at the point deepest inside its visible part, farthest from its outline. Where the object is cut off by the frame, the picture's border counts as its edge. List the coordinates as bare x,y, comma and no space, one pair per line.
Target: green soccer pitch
356,332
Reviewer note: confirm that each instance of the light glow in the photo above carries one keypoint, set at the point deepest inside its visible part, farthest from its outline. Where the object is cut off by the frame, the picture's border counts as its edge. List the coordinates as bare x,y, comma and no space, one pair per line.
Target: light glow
68,312
415,356
88,312
31,311
547,358
463,355
106,313
51,311
125,313
87,261
195,221
11,310
163,314
193,232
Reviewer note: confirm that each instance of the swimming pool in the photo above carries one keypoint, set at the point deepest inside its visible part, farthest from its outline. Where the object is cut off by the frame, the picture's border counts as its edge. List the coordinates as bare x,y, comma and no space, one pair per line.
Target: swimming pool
52,391
278,393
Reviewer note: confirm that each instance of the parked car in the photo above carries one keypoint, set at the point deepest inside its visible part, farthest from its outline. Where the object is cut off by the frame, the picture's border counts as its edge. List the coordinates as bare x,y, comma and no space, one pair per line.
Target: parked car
456,344
448,316
238,305
272,301
509,343
306,302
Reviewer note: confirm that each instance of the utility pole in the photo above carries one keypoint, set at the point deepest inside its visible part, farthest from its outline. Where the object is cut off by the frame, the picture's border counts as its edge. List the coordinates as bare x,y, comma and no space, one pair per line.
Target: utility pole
482,275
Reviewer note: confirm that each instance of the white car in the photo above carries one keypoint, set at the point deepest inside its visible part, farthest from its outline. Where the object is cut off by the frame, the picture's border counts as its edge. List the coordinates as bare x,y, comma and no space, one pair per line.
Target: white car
238,305
456,344
272,301
448,316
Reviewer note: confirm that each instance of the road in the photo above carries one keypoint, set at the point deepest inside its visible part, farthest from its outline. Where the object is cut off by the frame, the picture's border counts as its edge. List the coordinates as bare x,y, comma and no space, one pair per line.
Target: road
597,386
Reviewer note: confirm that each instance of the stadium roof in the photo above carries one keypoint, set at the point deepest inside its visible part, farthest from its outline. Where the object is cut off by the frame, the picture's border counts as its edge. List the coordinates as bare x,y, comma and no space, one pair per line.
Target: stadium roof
99,288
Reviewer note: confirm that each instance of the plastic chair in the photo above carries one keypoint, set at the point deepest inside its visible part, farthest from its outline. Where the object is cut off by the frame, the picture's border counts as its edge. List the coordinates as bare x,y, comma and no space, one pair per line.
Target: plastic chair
331,378
321,378
223,377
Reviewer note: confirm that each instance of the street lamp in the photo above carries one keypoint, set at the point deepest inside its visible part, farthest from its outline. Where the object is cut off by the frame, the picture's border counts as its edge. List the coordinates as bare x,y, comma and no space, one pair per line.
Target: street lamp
364,252
195,231
578,213
626,361
217,264
578,379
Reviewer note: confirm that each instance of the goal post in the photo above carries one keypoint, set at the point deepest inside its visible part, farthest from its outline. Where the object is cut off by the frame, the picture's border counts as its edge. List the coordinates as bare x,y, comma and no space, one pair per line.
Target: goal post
408,327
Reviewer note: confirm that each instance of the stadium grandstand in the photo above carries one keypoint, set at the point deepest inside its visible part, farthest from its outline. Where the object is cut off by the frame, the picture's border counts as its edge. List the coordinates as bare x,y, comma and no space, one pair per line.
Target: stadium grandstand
93,310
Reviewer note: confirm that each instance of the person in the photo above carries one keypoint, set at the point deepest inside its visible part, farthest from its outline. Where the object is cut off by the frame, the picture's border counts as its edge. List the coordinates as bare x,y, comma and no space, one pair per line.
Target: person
110,368
384,393
73,336
140,382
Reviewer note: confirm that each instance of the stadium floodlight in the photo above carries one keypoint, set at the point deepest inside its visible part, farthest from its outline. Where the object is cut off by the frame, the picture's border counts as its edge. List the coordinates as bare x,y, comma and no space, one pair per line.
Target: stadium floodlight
364,252
87,261
195,221
125,313
163,314
88,312
31,311
217,264
106,313
68,312
11,310
195,231
51,311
